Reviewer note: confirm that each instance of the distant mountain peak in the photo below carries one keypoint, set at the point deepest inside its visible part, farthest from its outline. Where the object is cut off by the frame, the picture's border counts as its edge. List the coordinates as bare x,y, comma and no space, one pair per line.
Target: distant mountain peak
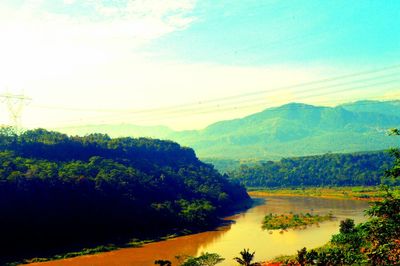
295,105
292,129
297,129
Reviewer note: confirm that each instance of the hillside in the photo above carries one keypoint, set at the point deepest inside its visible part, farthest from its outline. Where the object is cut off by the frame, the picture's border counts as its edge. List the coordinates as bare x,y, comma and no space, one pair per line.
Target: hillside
353,169
58,191
387,107
292,130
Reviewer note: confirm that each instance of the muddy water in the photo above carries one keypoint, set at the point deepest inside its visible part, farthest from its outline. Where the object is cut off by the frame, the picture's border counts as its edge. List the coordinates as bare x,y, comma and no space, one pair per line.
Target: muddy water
245,232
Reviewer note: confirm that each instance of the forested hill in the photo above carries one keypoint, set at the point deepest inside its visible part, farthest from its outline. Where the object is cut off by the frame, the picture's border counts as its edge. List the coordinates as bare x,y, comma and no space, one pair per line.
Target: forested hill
58,191
298,129
294,129
325,170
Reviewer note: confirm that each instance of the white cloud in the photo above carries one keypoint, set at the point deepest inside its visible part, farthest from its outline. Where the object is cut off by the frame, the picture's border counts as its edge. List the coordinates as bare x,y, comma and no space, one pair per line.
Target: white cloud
67,59
145,19
40,43
140,19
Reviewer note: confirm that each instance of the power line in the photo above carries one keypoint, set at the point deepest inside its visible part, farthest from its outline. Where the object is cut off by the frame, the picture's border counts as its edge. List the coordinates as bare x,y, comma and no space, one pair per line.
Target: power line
214,109
289,107
243,95
261,103
323,85
241,106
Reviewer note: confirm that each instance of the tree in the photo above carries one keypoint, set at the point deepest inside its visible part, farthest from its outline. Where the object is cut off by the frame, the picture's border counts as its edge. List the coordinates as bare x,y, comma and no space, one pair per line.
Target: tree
383,227
163,262
246,258
312,257
301,256
346,226
205,259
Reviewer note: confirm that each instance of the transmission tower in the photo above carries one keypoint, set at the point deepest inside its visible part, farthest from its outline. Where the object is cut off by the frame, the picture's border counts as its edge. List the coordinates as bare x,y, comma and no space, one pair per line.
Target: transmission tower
15,104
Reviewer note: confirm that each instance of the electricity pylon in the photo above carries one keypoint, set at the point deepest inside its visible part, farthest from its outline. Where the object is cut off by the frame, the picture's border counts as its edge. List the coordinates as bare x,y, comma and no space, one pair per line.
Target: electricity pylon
15,104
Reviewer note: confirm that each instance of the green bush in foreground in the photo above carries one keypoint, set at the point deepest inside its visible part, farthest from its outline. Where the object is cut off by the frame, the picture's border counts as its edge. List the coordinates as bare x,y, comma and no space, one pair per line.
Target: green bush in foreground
375,242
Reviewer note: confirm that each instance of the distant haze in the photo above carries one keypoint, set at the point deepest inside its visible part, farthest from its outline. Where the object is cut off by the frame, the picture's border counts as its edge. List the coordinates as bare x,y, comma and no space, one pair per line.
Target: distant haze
113,62
289,130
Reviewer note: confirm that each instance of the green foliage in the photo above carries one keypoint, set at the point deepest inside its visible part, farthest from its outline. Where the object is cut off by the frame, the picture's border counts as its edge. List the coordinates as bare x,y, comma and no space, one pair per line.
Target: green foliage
311,256
375,242
197,212
347,226
383,228
383,231
58,191
313,171
285,221
205,259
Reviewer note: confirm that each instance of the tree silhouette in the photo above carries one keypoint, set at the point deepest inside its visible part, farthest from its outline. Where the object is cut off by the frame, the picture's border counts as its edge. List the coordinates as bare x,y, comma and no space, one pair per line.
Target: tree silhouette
301,256
246,258
163,262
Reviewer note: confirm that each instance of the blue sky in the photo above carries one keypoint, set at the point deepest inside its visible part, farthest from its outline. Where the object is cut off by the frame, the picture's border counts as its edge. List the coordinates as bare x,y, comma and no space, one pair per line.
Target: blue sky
91,62
265,32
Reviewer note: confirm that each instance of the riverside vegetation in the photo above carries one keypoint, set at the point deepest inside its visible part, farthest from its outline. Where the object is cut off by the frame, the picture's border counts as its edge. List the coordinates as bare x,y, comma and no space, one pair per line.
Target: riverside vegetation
372,193
334,170
210,259
374,242
296,221
60,194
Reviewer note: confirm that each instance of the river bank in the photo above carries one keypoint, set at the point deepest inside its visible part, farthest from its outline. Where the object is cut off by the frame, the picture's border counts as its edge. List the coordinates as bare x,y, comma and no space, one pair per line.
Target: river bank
138,241
352,193
229,240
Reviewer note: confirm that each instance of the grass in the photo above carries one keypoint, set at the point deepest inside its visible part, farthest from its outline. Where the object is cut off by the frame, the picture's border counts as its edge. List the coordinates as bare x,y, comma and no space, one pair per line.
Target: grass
356,193
296,221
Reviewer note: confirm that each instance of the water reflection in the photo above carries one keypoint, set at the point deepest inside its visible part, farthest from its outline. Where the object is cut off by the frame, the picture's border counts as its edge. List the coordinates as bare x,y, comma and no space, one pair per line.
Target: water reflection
246,232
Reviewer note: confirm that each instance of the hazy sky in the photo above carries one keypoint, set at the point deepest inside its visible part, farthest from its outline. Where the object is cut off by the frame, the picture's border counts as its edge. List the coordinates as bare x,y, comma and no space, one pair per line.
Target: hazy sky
179,62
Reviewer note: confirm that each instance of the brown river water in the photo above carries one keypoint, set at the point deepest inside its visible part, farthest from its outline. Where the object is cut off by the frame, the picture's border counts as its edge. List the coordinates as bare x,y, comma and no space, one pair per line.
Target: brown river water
244,232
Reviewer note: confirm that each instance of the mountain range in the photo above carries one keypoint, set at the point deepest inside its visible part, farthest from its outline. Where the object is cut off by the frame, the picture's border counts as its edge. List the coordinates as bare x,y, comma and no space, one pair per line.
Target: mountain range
294,129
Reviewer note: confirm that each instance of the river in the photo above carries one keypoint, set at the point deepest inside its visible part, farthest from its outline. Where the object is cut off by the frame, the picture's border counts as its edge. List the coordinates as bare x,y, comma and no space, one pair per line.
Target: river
244,232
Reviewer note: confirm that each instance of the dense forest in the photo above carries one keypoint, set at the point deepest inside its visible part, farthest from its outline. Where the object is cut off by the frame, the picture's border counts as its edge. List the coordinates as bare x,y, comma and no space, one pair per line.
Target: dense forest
57,191
354,169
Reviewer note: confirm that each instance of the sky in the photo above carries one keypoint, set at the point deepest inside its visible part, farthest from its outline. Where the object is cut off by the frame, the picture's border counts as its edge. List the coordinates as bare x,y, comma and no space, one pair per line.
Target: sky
187,63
